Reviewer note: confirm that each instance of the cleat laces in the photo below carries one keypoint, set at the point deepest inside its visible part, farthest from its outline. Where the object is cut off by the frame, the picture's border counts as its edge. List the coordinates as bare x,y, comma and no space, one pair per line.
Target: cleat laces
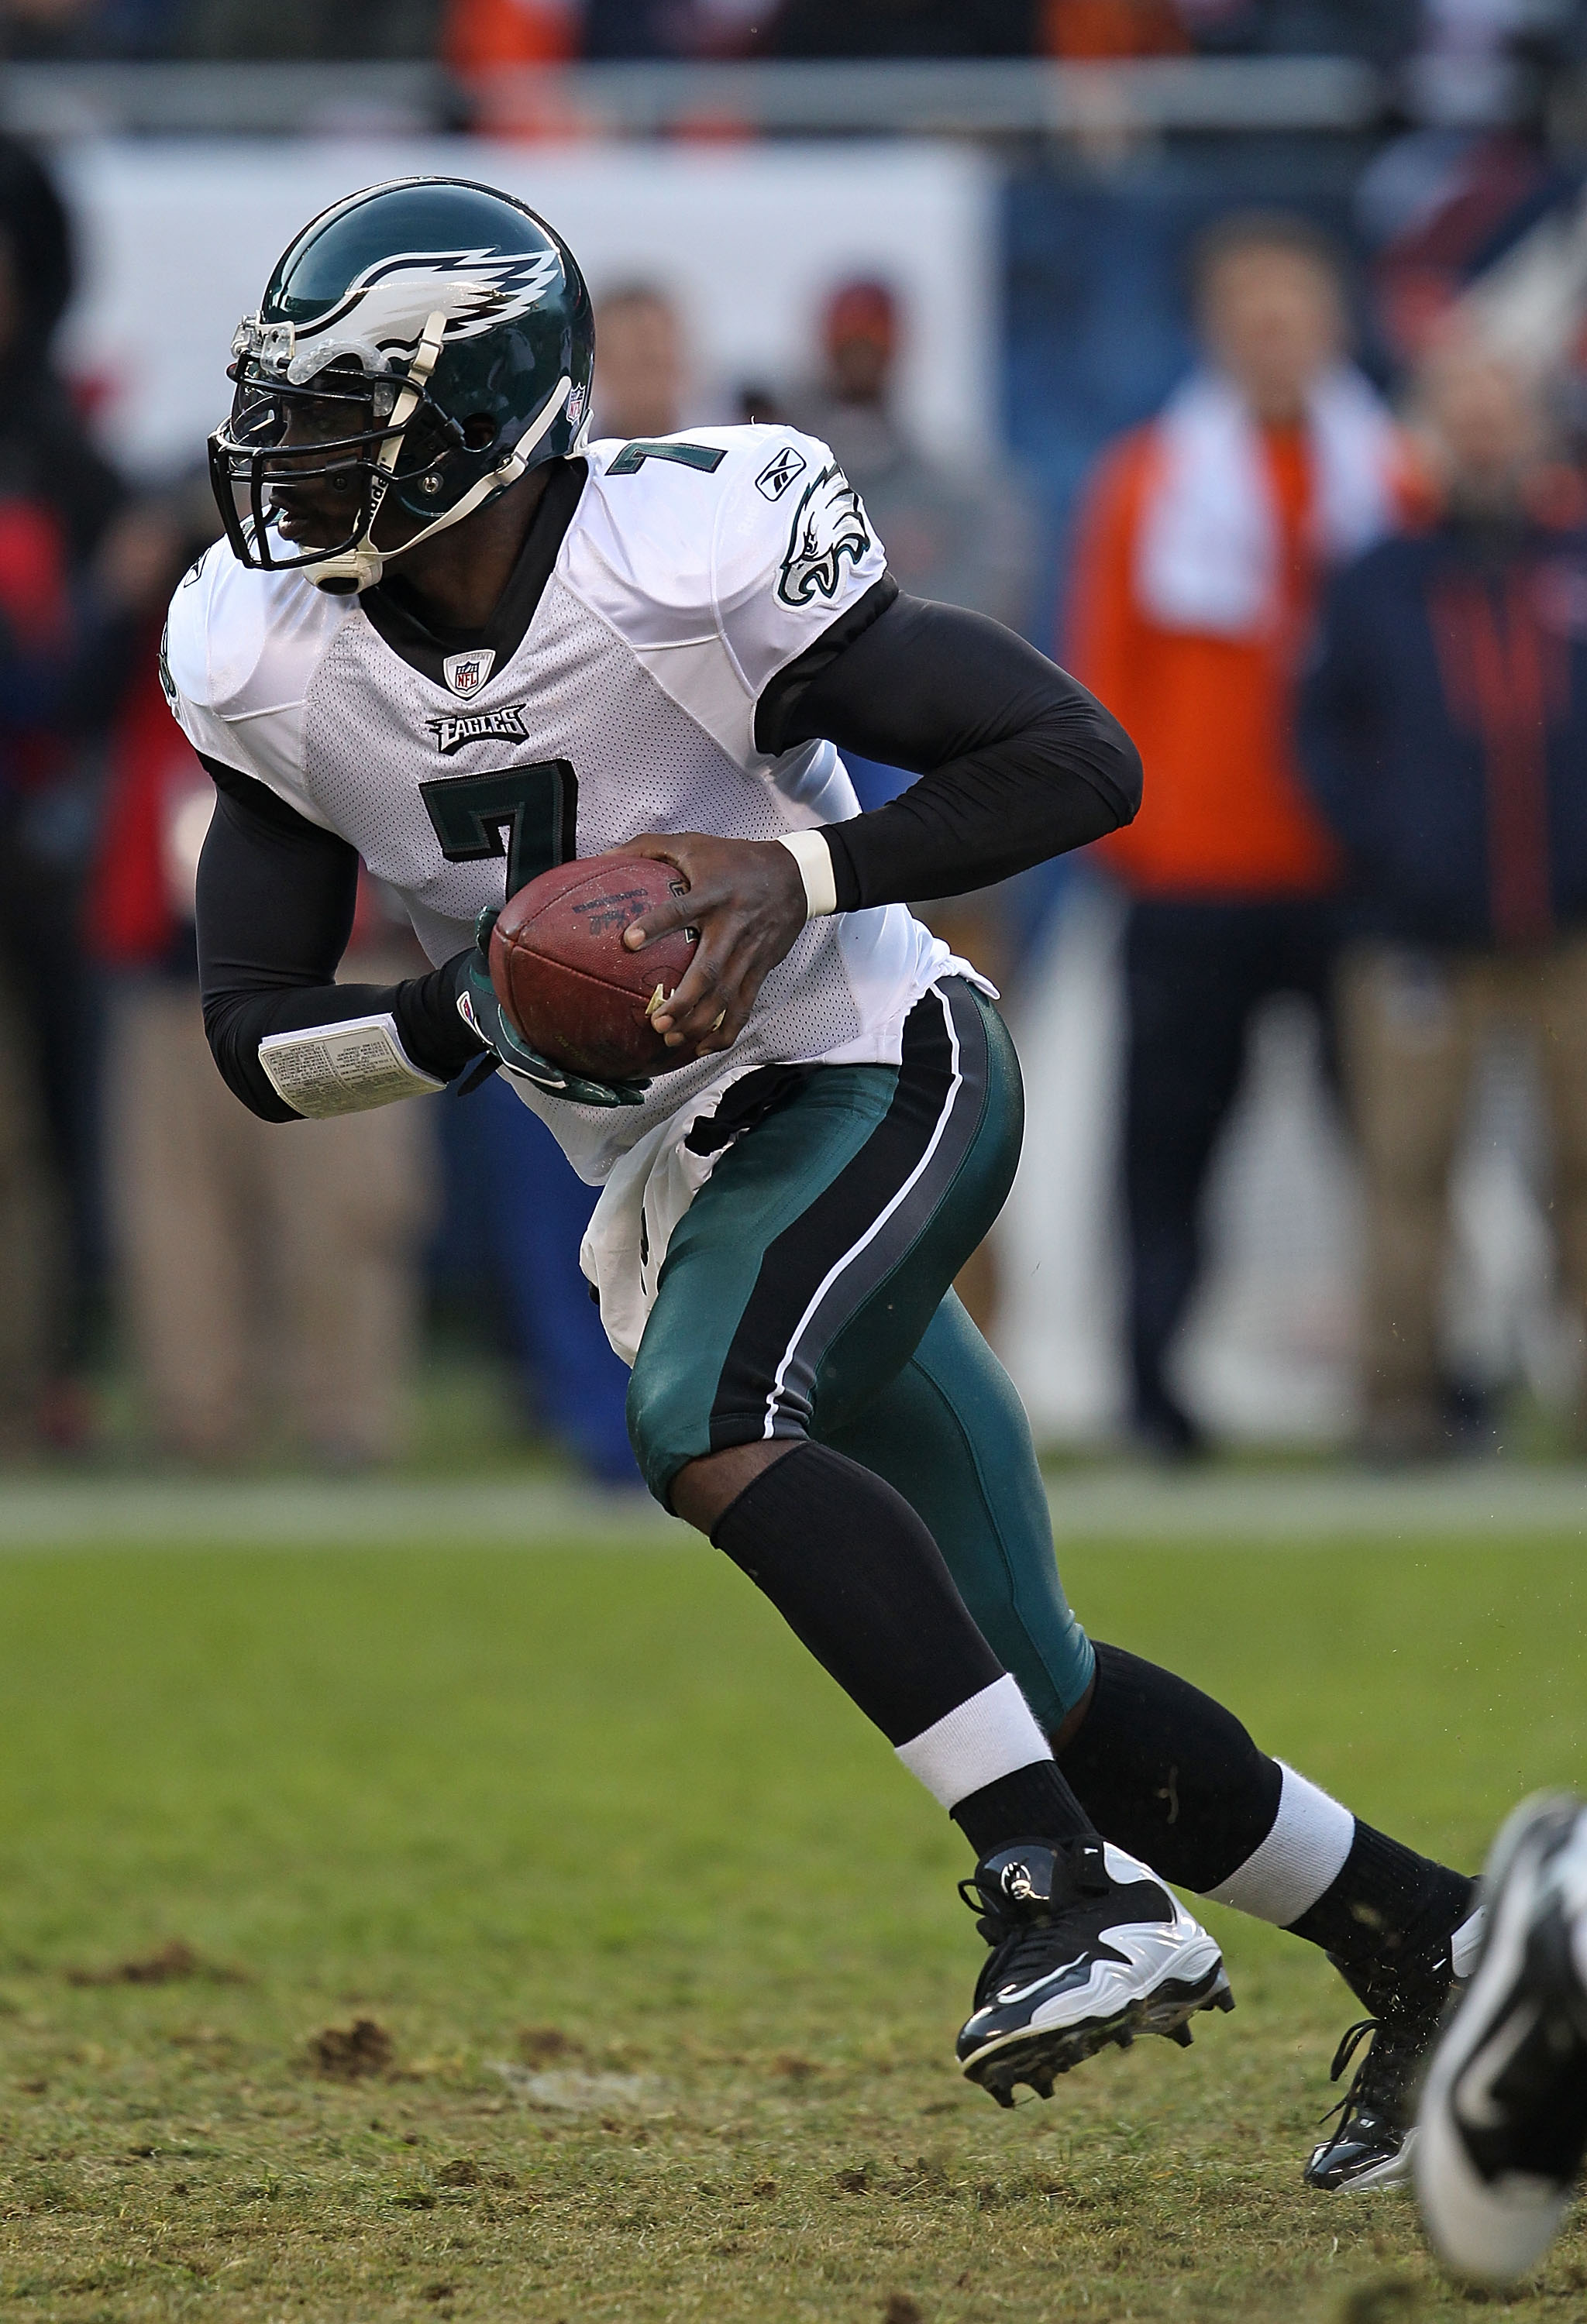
1379,2085
1019,1952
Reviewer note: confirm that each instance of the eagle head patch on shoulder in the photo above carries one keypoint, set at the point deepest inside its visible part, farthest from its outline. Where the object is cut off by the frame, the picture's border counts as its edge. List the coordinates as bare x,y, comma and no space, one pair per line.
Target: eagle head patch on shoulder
829,524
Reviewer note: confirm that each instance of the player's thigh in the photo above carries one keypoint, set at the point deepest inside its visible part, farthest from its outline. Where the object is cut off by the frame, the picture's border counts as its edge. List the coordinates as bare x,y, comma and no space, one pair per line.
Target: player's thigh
879,1306
949,1432
808,1266
774,1176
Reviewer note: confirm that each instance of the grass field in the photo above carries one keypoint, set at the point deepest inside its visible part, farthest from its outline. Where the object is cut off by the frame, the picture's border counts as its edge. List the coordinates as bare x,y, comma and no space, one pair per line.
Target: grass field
661,1946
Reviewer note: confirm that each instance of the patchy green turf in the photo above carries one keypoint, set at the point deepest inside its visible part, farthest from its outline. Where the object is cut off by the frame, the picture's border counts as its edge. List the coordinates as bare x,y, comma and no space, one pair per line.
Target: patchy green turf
665,1945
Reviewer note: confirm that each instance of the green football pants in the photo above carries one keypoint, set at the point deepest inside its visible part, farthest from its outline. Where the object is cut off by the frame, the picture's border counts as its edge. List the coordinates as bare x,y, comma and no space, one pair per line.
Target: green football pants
807,1293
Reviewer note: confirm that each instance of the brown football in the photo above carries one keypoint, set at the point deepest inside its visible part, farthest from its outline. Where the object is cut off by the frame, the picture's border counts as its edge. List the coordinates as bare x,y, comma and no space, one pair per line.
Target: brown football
562,974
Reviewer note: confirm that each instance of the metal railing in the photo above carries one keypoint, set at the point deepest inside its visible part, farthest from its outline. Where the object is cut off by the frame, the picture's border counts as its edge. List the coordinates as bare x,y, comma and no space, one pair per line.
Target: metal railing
989,97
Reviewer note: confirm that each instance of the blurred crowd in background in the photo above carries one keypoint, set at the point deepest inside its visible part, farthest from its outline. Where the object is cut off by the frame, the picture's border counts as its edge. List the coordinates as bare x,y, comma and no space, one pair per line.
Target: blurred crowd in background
471,33
1293,474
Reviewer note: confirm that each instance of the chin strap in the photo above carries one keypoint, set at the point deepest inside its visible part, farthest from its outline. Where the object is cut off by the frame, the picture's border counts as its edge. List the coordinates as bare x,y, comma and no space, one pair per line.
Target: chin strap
359,567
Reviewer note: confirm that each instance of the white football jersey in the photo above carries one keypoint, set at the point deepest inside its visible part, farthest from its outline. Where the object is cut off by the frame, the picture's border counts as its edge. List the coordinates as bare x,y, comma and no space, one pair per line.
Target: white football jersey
691,572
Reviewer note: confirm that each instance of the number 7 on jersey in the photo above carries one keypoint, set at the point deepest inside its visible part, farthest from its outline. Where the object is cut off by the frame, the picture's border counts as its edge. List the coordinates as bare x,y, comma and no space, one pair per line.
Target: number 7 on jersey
527,813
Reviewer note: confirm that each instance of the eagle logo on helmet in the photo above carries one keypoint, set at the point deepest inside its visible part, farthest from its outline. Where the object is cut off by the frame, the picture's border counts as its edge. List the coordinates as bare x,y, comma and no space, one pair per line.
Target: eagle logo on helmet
387,306
829,524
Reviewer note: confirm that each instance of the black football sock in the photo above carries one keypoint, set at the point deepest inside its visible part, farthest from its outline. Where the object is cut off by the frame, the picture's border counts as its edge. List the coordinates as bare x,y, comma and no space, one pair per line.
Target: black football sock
1169,1773
1164,1771
859,1579
1386,1904
1033,1802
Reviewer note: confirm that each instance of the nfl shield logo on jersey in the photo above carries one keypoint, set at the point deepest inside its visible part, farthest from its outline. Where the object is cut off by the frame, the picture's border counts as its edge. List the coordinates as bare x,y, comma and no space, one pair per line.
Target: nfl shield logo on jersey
467,672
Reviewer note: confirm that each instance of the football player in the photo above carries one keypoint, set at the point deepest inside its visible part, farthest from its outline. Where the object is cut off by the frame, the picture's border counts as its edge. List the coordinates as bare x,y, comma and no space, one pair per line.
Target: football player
445,634
1503,2126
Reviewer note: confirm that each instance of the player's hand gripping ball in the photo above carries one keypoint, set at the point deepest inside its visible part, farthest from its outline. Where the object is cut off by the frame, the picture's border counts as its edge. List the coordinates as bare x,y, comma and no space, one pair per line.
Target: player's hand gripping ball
563,976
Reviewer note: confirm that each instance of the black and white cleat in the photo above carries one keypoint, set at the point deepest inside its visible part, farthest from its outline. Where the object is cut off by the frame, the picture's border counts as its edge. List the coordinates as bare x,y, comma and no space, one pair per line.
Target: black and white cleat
1372,2141
1503,2128
1088,1949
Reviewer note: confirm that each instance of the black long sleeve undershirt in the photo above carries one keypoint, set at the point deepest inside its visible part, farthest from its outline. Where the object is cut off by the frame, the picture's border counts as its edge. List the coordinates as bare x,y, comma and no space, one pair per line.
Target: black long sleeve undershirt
1017,762
276,896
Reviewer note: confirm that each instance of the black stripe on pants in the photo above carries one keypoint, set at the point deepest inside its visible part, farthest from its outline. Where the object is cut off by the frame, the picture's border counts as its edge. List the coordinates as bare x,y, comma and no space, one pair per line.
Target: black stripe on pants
836,1253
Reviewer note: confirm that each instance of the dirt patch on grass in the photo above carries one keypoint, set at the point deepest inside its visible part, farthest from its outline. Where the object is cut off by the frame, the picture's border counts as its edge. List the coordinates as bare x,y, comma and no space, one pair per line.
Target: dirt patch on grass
347,2054
542,2046
169,1965
1387,2301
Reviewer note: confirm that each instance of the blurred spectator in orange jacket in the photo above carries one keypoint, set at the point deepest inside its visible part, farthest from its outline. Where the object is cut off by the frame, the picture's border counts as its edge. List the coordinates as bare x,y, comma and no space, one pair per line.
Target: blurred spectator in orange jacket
491,43
1086,31
1192,592
480,36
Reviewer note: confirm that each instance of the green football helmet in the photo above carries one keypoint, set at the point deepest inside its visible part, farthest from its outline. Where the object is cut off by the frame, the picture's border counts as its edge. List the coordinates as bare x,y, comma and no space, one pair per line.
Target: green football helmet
454,326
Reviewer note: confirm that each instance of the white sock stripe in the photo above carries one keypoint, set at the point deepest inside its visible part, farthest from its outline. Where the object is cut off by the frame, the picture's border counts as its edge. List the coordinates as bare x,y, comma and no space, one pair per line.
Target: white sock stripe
1303,1854
989,1736
838,1266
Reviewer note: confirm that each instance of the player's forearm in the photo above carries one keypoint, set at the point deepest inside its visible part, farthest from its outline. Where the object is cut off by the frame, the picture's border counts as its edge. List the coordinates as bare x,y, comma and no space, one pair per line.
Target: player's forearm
977,820
1017,762
275,907
432,1037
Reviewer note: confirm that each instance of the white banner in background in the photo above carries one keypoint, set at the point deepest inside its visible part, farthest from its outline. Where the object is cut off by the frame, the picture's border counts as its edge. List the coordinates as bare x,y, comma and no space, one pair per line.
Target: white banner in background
177,237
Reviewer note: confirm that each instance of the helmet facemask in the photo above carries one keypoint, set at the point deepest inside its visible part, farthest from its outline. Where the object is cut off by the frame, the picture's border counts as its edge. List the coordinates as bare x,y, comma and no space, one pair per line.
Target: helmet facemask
419,348
397,444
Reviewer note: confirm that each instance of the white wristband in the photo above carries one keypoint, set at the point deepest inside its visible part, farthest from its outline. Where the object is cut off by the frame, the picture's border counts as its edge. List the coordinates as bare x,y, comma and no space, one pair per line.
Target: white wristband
813,857
346,1068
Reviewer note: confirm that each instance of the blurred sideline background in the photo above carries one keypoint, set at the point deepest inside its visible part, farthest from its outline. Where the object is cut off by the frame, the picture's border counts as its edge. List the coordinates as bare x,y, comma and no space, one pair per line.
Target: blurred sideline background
954,237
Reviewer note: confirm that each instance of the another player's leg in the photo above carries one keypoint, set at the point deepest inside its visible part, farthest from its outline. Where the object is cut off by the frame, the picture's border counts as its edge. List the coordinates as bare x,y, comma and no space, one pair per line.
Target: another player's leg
1503,2120
1163,1772
800,1282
